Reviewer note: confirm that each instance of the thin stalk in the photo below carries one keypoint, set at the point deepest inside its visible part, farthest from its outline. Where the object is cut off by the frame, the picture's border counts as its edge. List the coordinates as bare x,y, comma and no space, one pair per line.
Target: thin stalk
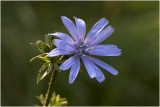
51,85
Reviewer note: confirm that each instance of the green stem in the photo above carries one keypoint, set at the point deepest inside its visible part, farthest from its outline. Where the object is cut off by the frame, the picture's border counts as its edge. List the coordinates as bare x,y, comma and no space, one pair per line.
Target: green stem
51,85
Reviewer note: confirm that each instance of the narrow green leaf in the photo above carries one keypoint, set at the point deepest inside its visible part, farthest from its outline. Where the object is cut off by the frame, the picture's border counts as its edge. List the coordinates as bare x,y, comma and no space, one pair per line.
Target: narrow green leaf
50,68
45,59
41,55
44,66
45,73
56,67
39,77
34,58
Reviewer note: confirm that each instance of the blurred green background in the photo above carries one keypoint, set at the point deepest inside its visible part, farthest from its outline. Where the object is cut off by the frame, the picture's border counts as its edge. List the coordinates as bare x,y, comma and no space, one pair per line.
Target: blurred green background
136,33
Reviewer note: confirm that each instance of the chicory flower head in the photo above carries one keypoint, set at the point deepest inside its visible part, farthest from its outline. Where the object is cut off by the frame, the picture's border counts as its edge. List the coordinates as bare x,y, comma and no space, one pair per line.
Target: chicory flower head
81,47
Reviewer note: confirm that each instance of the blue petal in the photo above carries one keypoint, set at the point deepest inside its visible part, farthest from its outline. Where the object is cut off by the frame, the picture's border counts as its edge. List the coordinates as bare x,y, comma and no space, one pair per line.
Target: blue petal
92,69
95,30
74,70
63,36
102,35
68,63
103,65
89,67
64,45
99,74
81,27
71,28
57,51
105,50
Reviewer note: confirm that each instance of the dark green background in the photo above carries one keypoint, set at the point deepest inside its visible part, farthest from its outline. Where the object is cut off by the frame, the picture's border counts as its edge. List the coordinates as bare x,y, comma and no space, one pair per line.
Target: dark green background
136,33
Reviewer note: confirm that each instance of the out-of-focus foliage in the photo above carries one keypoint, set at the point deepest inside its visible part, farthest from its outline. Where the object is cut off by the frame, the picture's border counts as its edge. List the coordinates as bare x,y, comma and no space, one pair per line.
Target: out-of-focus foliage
136,33
55,100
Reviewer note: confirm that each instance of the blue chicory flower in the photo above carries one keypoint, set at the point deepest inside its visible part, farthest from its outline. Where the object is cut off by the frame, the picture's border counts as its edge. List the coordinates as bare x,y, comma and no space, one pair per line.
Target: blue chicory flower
82,47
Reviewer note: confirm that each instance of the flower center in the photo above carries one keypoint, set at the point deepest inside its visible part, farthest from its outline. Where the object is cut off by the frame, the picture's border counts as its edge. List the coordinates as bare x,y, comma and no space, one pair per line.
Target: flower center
82,50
